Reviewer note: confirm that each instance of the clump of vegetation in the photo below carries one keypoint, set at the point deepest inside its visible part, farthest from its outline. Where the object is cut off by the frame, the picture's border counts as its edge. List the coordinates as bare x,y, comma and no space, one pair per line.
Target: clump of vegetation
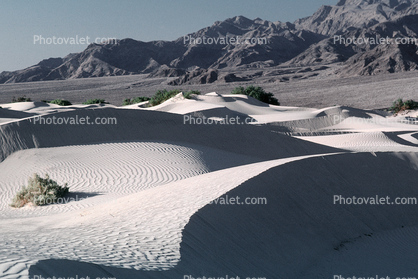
189,94
257,93
400,105
39,191
136,100
95,101
60,102
163,95
21,99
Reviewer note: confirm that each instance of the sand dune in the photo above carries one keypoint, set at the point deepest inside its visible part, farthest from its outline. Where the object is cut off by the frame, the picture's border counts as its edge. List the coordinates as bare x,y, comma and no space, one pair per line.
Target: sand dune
148,183
143,240
103,172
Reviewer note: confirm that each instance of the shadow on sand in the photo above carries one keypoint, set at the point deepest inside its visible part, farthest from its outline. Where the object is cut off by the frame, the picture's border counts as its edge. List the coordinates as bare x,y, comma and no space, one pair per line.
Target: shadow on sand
289,235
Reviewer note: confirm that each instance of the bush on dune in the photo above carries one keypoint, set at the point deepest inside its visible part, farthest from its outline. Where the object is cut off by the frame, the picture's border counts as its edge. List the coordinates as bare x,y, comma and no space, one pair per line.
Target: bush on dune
159,97
39,191
257,93
162,95
21,99
400,105
136,100
188,95
94,101
60,102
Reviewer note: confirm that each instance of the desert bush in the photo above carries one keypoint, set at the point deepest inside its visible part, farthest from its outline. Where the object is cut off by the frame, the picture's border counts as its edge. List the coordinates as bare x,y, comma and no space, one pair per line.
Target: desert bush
399,105
94,101
257,93
189,94
60,102
136,100
21,99
411,104
162,95
39,191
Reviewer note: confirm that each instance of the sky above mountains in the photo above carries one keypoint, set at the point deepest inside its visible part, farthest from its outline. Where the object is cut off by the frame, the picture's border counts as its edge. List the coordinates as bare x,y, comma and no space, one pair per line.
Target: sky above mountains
28,27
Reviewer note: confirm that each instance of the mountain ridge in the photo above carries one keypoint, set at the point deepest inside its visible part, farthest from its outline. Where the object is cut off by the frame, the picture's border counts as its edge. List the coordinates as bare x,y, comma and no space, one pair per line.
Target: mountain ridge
307,41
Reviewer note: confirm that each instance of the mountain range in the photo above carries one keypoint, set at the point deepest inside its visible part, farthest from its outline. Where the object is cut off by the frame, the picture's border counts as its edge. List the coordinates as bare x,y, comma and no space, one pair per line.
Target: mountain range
306,42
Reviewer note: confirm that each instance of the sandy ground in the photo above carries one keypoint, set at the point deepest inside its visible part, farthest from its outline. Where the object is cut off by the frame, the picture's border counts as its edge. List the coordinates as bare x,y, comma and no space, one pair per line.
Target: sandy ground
365,92
147,193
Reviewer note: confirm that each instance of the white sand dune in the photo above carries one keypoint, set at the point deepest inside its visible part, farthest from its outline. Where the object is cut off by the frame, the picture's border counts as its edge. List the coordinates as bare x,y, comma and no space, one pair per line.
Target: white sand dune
29,106
147,183
363,142
102,172
301,227
144,241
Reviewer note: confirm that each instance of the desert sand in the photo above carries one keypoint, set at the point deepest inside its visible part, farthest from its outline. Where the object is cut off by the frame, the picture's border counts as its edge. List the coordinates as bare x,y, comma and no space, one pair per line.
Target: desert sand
143,191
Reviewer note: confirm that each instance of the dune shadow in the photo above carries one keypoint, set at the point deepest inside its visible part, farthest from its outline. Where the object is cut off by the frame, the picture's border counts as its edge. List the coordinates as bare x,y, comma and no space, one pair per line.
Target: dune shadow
394,136
289,232
9,113
140,125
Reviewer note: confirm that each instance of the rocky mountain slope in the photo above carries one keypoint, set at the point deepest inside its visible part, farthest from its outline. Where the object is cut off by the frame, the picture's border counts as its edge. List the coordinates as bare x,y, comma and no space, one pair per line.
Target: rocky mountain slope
277,43
382,48
347,14
241,43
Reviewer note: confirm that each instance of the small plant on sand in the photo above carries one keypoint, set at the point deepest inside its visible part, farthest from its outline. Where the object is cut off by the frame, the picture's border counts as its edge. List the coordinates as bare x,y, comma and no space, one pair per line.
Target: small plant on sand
21,99
39,191
94,101
163,95
189,94
60,102
399,105
136,100
257,93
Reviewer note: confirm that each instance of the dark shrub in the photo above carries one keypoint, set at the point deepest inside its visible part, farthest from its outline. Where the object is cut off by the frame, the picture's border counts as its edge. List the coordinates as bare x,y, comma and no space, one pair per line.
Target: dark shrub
21,99
189,94
162,95
60,102
136,100
94,101
399,105
257,93
39,191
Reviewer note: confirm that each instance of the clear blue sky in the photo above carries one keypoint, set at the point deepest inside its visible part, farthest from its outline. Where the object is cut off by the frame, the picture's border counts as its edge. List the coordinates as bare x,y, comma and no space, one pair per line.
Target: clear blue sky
143,20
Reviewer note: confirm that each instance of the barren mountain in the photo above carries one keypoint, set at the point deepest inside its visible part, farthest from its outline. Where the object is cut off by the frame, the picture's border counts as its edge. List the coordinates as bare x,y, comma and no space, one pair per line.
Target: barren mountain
34,73
382,59
375,50
389,57
234,47
347,14
239,43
